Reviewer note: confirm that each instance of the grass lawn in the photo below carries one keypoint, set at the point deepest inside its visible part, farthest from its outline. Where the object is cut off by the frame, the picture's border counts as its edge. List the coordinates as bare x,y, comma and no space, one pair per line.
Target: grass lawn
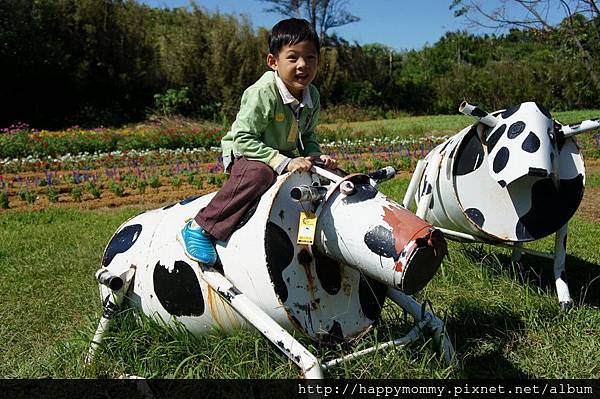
438,124
503,319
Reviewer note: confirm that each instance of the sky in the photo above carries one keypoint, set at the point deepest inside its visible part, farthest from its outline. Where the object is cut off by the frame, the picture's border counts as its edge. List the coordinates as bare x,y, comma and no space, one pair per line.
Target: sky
400,24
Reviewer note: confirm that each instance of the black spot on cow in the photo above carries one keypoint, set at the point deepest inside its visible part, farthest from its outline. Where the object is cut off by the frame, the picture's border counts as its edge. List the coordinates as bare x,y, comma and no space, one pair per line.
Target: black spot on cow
371,294
478,112
431,202
563,276
537,172
544,110
476,216
381,241
427,189
189,199
515,129
470,154
334,336
329,273
365,192
121,242
501,159
452,152
169,206
280,253
178,290
444,145
502,183
550,208
531,143
494,137
510,111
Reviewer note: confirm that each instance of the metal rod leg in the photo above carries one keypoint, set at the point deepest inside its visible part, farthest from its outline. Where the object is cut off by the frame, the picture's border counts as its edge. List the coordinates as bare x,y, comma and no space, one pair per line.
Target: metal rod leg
560,256
409,196
110,308
435,325
286,343
517,252
112,303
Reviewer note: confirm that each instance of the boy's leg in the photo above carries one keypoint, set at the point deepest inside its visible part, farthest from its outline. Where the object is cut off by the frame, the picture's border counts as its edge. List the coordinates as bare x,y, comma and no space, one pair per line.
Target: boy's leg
248,180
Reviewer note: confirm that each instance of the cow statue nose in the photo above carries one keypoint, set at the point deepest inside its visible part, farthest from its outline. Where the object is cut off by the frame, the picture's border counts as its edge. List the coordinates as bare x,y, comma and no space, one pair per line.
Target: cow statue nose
378,237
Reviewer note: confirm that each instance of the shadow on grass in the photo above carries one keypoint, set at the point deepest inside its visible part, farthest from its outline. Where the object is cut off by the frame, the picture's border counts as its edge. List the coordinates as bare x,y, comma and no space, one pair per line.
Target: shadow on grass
481,335
583,277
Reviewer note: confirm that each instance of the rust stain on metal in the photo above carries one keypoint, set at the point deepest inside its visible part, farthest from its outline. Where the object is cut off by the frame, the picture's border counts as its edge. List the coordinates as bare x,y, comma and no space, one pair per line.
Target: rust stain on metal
214,300
305,259
281,215
347,287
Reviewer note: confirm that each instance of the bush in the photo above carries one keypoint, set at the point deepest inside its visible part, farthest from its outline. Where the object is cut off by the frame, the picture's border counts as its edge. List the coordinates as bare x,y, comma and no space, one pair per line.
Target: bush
172,102
76,193
94,189
4,204
52,195
154,181
116,188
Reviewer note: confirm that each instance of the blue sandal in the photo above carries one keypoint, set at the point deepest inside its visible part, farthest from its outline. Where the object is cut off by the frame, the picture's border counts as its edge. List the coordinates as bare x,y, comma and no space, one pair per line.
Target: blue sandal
197,244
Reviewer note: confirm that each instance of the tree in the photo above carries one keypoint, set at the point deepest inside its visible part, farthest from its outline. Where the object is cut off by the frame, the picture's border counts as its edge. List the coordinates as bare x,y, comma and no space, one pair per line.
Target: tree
581,20
322,14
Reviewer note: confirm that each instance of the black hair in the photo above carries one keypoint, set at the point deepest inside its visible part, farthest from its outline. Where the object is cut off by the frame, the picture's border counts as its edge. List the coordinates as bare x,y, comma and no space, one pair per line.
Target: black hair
292,31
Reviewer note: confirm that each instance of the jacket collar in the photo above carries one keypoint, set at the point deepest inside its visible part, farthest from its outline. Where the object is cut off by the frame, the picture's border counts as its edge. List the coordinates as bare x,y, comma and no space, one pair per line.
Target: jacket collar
288,98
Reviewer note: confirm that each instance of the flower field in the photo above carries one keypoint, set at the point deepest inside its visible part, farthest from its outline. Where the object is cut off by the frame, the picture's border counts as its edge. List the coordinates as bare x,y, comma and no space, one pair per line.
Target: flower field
163,161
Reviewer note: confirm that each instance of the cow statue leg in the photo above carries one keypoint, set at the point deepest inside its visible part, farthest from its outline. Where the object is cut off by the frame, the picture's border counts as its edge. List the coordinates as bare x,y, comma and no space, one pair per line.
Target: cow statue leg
560,256
409,196
117,287
283,340
432,323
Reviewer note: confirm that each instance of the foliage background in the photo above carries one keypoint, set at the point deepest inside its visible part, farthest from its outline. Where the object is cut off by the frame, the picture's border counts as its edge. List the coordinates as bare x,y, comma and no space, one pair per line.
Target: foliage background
90,63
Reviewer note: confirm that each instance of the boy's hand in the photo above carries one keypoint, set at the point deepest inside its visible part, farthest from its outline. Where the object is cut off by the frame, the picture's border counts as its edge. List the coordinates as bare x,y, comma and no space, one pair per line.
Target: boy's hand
300,164
328,162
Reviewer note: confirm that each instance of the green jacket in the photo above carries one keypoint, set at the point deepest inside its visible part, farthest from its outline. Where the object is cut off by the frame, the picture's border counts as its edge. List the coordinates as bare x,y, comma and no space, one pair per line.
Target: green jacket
265,129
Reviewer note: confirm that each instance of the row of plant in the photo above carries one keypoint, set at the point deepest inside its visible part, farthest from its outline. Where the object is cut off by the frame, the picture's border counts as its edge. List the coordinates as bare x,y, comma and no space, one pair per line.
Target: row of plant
21,140
407,146
77,186
22,145
87,183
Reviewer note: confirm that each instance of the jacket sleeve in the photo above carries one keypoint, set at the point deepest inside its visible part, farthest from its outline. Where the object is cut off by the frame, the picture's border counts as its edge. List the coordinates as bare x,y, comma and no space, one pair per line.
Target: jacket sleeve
309,138
256,112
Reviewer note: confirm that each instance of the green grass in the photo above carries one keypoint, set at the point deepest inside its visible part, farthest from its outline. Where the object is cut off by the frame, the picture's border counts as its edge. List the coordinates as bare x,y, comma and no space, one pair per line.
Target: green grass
438,124
503,319
409,125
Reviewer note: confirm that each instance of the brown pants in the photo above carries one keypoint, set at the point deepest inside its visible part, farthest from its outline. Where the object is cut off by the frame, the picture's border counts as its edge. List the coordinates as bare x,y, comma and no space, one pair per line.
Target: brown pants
248,180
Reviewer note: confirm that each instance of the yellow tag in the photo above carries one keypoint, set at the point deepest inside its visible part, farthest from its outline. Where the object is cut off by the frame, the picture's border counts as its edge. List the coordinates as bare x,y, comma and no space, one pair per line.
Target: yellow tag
307,227
279,117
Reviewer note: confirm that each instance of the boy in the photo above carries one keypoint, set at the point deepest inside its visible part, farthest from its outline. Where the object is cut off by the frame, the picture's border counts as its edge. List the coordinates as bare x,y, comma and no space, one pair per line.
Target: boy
278,114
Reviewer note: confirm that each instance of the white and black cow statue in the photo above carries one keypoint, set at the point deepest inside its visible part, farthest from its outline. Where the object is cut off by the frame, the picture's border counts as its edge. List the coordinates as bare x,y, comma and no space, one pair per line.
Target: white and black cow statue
366,248
514,176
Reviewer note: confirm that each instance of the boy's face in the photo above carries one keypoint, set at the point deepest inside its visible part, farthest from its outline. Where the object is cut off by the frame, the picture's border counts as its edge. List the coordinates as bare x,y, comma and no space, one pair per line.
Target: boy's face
296,65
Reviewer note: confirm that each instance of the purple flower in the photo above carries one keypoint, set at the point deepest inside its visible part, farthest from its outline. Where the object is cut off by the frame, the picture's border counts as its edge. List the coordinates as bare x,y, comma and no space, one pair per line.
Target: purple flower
49,178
